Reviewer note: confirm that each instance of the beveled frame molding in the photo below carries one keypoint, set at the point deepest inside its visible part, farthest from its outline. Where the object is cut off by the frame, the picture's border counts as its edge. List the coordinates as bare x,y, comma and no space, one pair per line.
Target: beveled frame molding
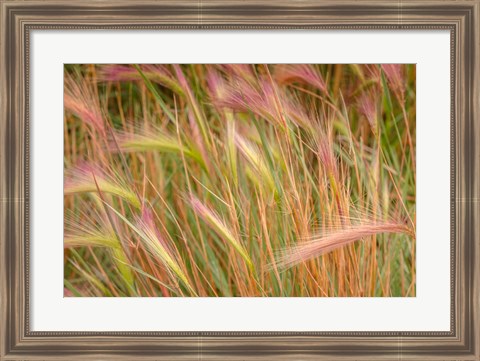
19,17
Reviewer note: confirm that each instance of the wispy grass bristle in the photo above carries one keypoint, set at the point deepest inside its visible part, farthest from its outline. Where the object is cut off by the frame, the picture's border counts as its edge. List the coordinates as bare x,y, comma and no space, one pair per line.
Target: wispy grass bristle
87,179
330,240
214,221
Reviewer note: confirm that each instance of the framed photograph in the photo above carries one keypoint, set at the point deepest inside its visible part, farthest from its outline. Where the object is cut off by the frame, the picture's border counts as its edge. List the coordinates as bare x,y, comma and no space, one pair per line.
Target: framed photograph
239,180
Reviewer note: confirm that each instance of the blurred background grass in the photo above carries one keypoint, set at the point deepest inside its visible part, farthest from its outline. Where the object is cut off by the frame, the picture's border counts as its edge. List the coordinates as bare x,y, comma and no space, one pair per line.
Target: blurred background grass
230,180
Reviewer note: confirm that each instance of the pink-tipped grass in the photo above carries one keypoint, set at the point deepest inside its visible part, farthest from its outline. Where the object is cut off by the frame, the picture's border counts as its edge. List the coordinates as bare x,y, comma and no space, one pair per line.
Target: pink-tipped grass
159,74
331,240
156,244
88,179
239,180
218,225
156,141
301,73
80,99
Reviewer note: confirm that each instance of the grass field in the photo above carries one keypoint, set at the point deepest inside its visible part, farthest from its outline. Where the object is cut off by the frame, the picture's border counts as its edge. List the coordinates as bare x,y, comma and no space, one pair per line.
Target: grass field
239,180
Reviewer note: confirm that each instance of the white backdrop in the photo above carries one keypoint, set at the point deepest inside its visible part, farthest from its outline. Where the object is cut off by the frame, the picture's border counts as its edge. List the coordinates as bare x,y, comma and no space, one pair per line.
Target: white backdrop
428,311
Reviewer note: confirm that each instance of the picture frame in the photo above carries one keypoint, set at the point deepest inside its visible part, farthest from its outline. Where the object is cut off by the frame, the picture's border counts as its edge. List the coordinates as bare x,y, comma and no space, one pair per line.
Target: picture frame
18,18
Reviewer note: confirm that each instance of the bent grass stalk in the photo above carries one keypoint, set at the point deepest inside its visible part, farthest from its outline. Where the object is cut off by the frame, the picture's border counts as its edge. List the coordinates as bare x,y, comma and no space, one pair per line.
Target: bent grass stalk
319,245
157,142
214,221
156,246
89,179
